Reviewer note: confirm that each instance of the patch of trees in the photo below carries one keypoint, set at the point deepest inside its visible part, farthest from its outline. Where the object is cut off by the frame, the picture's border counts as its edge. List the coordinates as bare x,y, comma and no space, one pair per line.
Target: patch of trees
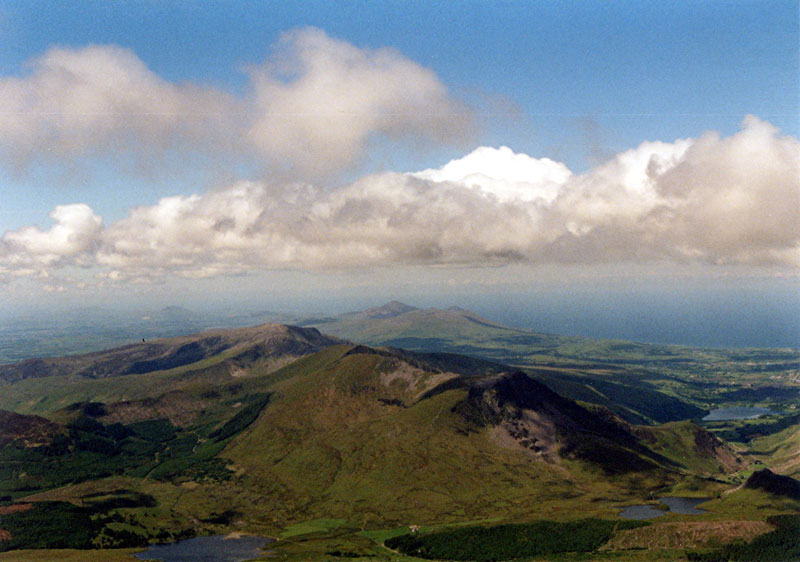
49,525
97,524
160,430
242,419
507,542
225,518
91,450
123,499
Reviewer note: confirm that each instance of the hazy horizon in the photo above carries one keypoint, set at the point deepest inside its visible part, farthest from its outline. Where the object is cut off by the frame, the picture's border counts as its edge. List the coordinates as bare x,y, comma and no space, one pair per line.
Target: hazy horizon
736,317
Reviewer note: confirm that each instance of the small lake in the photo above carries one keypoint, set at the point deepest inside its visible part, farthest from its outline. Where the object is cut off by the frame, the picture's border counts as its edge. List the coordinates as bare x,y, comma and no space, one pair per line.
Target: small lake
738,413
675,504
207,549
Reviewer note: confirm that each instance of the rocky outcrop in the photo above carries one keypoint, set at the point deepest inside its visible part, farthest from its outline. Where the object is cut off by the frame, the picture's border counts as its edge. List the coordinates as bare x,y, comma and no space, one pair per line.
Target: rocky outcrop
521,410
709,445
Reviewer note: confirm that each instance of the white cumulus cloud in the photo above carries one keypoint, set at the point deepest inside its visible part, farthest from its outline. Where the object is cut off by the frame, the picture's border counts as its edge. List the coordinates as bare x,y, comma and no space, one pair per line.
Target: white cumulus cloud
709,200
73,239
505,174
318,101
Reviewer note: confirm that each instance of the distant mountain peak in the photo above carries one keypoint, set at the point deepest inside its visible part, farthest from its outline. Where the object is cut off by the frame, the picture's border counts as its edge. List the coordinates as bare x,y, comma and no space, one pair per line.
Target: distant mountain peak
389,310
172,309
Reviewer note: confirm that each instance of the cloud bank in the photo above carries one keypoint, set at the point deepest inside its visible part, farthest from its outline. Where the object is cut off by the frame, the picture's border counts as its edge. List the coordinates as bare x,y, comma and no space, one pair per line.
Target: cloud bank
312,107
708,200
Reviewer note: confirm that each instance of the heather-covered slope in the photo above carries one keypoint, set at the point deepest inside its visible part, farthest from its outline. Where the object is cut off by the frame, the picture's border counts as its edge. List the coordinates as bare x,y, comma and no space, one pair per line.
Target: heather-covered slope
26,431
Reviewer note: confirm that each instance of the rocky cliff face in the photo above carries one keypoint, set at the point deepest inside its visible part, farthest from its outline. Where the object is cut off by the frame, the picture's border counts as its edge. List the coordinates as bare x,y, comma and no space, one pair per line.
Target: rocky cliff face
522,411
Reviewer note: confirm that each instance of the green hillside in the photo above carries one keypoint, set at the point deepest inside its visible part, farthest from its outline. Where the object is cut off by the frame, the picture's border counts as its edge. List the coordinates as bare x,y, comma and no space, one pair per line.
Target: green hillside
380,440
337,447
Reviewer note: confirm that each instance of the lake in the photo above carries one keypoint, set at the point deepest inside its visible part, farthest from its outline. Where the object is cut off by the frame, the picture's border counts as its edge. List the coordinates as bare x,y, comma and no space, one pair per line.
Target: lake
675,504
737,413
207,549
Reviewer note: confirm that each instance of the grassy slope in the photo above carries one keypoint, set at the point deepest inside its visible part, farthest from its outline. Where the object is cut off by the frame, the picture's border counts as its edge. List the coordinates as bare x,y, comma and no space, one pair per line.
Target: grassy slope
678,442
368,488
151,369
781,451
320,450
45,396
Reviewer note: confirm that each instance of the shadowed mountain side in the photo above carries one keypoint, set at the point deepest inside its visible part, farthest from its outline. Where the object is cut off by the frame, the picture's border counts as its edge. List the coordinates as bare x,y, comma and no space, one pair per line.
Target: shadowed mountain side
636,403
247,344
776,484
461,364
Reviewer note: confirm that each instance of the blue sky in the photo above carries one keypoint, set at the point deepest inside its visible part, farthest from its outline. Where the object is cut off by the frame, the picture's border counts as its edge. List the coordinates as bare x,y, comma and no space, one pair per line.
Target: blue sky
601,104
576,80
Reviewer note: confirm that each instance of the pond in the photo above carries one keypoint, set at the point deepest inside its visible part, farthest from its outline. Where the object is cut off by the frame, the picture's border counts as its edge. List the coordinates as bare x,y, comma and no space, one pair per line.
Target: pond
737,413
684,506
675,504
641,512
217,548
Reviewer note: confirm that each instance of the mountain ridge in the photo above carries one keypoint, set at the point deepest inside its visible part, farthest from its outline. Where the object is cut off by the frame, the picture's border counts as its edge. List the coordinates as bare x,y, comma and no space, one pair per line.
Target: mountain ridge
266,339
